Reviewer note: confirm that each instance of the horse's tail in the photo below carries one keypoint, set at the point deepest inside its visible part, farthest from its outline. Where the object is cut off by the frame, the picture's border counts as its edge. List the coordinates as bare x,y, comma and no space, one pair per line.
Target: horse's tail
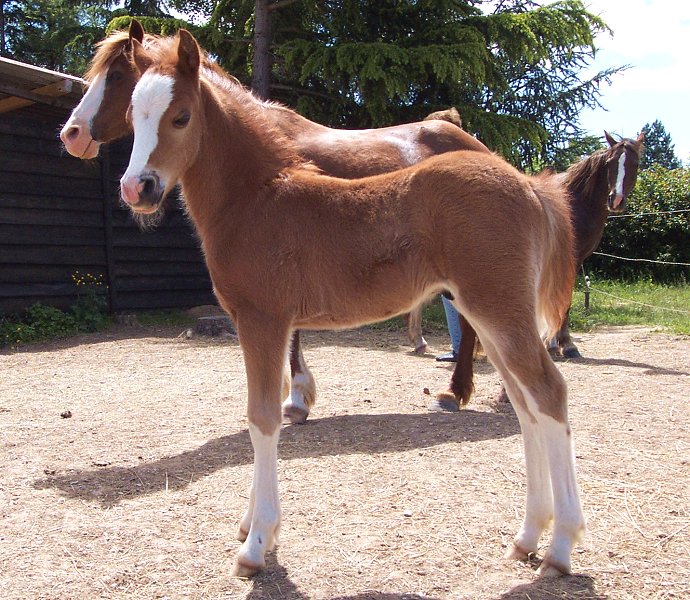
558,269
450,114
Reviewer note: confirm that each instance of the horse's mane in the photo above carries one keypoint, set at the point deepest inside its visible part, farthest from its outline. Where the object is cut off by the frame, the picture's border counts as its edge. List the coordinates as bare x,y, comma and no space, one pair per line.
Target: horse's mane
108,49
581,177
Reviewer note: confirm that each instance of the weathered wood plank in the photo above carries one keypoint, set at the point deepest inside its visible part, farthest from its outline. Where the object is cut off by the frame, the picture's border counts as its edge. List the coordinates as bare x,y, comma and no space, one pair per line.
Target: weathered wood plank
22,216
38,254
44,235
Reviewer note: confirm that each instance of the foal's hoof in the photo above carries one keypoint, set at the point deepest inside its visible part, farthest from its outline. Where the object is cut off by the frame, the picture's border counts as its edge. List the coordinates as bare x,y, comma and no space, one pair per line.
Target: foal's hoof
444,402
571,352
515,552
294,415
421,349
242,534
551,570
244,570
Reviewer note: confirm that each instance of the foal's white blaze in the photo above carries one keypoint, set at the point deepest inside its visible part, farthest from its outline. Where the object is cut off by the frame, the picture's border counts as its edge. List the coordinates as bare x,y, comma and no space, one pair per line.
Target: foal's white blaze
76,134
151,98
265,518
619,180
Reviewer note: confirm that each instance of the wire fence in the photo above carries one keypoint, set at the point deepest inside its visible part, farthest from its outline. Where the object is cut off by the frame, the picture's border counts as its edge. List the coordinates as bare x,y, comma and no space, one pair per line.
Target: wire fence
647,260
588,285
645,214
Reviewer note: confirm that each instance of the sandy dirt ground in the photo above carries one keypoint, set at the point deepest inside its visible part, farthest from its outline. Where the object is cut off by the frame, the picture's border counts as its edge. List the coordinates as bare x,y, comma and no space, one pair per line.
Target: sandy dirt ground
125,465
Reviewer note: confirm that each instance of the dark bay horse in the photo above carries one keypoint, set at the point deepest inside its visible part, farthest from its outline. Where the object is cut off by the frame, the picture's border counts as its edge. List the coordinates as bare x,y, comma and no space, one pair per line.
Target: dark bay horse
101,117
597,186
467,222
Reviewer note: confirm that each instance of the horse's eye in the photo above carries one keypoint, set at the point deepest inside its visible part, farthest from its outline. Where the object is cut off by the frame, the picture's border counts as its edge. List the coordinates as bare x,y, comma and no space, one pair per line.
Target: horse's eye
182,119
113,76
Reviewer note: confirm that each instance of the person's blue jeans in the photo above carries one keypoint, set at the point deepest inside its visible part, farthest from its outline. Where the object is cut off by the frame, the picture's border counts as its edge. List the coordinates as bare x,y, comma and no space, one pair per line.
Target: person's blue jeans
453,319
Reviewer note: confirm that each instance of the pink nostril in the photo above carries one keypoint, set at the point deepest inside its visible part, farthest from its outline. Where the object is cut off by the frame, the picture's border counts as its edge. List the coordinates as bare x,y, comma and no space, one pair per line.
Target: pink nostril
72,133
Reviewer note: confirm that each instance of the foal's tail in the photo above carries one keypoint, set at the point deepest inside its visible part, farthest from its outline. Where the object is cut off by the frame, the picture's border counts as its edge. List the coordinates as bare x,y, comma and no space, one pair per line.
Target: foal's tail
557,278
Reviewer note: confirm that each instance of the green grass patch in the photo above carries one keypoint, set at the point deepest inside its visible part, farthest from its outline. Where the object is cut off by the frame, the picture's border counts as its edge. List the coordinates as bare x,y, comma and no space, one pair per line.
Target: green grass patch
644,303
637,303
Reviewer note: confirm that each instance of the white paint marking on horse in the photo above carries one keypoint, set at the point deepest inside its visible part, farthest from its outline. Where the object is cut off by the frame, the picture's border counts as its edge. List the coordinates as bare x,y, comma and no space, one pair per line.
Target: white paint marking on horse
151,98
90,102
621,174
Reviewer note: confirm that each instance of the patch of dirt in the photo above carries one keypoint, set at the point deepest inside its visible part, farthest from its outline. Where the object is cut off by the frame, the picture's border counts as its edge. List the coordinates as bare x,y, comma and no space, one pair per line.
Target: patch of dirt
139,493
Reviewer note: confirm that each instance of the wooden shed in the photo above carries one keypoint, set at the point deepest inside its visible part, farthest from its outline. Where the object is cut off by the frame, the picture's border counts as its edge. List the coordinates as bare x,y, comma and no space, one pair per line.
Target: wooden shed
60,216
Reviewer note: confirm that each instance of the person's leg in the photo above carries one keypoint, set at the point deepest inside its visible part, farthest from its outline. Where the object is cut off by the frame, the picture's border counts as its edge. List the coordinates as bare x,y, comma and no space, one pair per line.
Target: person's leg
453,320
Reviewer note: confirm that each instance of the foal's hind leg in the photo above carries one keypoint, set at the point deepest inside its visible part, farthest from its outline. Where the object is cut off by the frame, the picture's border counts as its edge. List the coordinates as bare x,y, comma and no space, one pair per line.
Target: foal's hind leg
302,389
539,395
413,320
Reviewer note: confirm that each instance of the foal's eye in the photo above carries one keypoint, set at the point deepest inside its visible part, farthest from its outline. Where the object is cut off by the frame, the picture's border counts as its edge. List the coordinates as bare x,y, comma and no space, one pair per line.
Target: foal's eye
182,119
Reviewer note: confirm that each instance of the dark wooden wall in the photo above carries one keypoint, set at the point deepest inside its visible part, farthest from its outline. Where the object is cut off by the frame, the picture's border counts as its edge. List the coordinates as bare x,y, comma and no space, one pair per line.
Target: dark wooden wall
60,215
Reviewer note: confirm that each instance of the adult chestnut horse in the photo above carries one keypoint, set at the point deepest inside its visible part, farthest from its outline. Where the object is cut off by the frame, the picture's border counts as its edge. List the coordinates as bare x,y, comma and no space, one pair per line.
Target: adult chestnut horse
466,222
101,117
597,186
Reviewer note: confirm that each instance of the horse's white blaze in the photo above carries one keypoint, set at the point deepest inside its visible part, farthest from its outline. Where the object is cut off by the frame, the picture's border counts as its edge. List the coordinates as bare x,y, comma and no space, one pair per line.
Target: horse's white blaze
90,102
151,98
621,175
265,519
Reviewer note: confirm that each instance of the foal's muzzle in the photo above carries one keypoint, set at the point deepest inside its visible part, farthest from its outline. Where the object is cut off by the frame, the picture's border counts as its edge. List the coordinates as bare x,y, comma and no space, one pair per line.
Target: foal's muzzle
142,193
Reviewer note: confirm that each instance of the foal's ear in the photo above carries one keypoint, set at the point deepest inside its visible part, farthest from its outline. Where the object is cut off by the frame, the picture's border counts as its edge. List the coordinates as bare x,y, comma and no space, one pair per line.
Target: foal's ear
609,139
136,31
140,57
640,139
188,53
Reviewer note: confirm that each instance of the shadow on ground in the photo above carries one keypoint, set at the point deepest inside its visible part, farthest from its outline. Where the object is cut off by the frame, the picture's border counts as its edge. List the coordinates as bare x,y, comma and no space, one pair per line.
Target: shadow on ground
329,436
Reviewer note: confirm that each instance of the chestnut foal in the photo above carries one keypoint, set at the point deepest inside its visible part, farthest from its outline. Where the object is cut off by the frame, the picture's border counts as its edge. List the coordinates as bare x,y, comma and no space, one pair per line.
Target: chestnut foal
101,117
467,222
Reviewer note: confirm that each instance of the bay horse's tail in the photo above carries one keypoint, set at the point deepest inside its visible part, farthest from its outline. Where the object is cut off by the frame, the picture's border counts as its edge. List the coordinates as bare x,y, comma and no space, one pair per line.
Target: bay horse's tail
450,114
558,270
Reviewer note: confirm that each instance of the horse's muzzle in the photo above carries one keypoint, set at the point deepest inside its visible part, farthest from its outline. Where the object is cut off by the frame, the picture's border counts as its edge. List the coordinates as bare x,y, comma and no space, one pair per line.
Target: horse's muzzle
616,203
142,193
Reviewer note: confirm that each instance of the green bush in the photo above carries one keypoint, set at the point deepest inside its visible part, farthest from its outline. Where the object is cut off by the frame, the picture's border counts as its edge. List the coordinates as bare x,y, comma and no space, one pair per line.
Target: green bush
662,237
41,322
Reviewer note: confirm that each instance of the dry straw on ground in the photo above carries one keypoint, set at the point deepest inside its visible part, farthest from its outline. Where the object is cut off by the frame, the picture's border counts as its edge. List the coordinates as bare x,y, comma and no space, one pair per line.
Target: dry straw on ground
138,493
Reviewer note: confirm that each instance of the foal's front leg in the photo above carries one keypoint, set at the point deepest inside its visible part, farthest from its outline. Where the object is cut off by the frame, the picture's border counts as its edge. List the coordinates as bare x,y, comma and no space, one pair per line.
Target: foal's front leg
263,342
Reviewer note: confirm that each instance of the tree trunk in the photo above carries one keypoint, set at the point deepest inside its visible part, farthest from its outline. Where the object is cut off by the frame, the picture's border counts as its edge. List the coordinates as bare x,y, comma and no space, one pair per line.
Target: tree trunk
261,77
